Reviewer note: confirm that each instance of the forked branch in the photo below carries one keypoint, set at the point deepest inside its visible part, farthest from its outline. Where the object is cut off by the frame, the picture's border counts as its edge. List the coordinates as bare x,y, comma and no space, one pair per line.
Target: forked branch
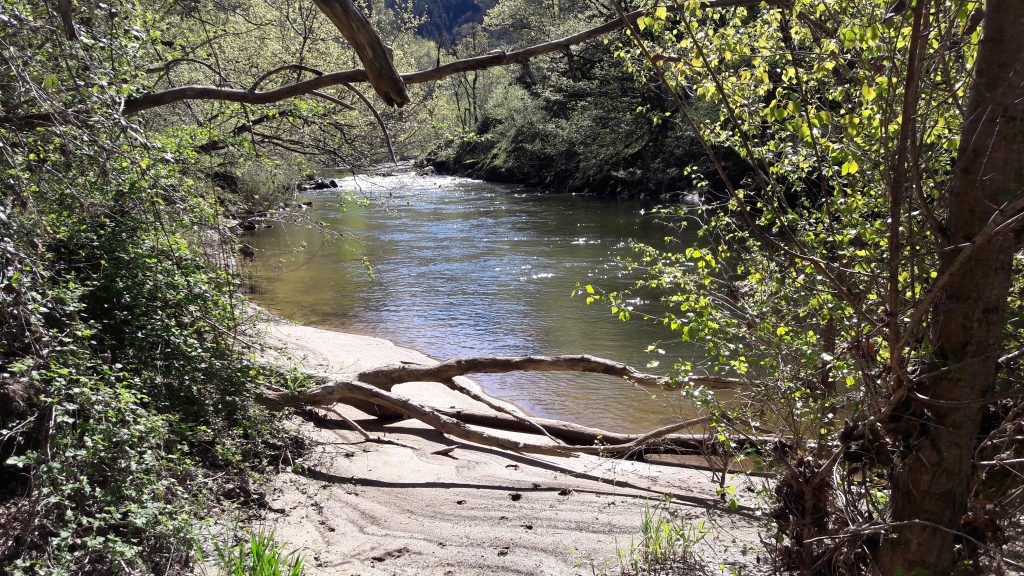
371,391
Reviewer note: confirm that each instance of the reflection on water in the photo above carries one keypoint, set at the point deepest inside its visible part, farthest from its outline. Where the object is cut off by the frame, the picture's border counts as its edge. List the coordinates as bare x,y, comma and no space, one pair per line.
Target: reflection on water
462,267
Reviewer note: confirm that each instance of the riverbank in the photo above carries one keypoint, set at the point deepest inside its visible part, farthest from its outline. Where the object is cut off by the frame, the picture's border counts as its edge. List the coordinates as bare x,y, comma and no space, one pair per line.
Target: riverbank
652,172
359,508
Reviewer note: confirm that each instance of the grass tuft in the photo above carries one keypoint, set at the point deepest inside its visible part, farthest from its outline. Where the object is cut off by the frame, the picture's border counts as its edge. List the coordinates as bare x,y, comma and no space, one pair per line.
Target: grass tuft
260,555
668,544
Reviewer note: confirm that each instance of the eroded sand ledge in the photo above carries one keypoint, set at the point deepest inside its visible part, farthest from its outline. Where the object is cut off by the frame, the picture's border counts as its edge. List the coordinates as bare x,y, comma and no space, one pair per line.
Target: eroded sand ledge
372,509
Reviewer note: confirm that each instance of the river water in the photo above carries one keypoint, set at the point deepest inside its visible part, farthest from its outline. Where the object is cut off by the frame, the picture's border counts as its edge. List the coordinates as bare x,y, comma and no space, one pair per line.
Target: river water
459,267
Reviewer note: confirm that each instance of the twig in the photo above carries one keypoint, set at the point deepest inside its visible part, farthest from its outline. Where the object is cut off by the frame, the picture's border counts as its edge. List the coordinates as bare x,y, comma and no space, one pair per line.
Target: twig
362,432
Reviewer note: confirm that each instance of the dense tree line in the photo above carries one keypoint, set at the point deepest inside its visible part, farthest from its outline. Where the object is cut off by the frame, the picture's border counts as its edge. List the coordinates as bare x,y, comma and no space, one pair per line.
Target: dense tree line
575,122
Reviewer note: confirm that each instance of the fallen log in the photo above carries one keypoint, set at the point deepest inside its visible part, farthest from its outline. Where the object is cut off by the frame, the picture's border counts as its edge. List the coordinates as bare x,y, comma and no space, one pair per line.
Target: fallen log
390,376
371,392
571,433
338,391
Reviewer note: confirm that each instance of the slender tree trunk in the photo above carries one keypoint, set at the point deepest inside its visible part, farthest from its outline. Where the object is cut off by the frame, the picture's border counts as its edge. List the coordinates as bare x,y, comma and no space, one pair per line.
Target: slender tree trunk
932,485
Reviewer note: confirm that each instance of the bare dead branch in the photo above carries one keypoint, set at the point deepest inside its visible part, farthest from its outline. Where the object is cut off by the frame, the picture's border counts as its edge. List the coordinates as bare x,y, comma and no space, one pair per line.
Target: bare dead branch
332,99
221,143
284,68
380,121
67,19
174,62
389,376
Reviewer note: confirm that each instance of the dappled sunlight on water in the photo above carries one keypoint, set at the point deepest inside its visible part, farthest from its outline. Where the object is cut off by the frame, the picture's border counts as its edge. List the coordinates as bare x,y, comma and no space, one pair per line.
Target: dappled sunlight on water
462,267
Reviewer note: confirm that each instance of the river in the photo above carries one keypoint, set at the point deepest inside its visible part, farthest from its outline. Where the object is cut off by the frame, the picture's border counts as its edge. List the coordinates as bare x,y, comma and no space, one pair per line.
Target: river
457,267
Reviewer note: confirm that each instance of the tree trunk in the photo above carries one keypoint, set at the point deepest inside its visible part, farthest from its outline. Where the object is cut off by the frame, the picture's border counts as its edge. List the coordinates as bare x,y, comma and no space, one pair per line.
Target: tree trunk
932,485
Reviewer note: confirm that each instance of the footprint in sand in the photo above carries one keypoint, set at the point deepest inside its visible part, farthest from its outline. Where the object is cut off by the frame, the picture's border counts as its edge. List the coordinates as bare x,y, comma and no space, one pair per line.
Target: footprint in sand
390,555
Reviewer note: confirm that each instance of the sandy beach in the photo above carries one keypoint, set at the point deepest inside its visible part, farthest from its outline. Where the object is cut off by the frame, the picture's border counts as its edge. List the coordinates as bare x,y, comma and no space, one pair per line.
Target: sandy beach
358,508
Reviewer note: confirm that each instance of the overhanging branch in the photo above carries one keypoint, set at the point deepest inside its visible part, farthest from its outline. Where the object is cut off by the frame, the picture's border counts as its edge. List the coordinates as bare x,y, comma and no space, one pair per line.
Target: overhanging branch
375,56
371,75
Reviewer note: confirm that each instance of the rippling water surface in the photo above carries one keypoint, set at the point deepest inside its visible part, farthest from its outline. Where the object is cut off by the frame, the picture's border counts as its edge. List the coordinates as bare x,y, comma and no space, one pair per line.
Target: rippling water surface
462,267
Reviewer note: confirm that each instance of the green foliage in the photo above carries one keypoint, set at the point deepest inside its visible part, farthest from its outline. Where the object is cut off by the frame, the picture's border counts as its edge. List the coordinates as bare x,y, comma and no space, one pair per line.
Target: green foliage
126,399
260,555
568,123
788,285
807,279
583,129
668,543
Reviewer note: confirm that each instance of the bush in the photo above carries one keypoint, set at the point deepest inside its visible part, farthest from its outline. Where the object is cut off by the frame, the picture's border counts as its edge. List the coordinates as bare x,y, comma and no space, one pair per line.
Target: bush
125,384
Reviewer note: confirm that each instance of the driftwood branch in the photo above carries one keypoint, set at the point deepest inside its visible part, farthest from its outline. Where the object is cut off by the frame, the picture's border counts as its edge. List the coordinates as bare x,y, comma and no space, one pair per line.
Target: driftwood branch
389,376
531,426
572,433
334,391
366,435
371,391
